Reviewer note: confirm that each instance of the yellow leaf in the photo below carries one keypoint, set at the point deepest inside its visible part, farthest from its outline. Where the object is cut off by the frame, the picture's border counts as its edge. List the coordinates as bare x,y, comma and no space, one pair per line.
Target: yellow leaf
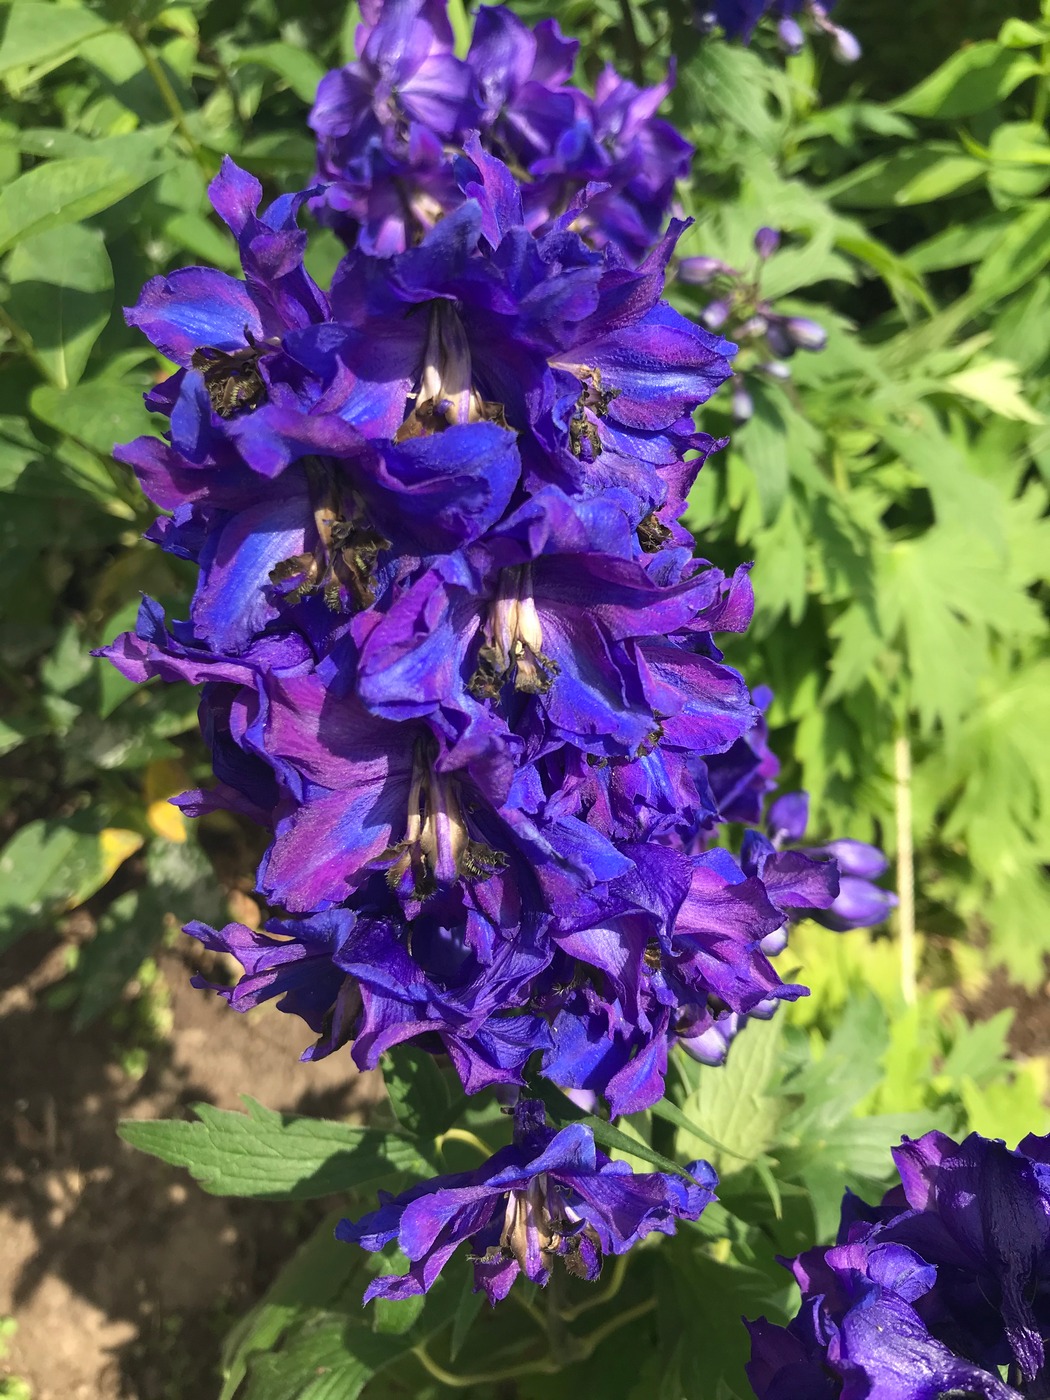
164,779
166,820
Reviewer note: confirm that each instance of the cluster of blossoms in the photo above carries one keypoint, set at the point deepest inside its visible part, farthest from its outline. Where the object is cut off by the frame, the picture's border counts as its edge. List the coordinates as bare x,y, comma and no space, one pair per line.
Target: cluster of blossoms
386,123
766,338
457,654
941,1291
739,19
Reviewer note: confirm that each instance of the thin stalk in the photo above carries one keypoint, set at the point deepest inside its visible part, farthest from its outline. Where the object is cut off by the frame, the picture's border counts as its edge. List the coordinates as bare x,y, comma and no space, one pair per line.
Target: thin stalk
462,1135
546,1365
168,95
905,870
637,69
617,1276
1041,101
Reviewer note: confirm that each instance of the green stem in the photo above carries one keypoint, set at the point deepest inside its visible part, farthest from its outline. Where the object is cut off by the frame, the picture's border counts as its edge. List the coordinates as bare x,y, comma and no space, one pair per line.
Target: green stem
545,1365
605,1295
905,869
637,70
169,97
1042,92
462,1135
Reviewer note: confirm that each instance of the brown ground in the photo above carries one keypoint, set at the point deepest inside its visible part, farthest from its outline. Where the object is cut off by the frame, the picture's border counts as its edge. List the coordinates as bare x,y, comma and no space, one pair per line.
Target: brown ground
121,1273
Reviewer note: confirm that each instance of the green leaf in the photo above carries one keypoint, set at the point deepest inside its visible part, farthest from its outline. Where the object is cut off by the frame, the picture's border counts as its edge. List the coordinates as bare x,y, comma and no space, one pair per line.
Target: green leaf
913,175
996,384
96,412
1017,257
972,80
425,1099
38,33
65,191
299,69
180,885
61,295
734,1104
290,1159
315,1277
45,867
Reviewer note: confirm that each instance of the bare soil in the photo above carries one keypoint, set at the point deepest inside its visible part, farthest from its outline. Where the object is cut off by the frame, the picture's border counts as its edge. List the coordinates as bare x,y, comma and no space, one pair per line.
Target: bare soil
122,1275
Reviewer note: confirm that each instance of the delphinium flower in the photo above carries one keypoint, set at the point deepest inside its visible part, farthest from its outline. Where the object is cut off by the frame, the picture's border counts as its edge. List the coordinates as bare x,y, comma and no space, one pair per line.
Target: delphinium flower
457,655
390,124
739,18
940,1291
767,338
549,1199
456,651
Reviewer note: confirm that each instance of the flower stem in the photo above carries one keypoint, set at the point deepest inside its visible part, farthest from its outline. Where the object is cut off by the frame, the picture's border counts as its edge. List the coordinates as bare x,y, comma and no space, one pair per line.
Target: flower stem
138,36
604,1295
462,1135
546,1364
905,870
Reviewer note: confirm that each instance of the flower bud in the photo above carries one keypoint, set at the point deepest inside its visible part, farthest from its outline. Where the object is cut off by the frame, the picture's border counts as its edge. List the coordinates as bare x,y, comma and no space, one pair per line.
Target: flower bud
844,45
767,241
806,334
743,403
776,369
859,904
787,818
789,33
701,270
778,339
856,857
715,315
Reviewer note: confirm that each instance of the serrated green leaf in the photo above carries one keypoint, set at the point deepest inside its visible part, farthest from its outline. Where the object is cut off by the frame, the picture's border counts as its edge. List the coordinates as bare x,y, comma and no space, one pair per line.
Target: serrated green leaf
297,1159
734,1104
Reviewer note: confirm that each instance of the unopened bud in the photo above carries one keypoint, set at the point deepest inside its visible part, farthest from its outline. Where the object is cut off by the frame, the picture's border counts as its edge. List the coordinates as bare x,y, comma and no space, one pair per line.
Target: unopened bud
844,45
776,369
743,404
715,315
806,334
767,241
789,32
701,270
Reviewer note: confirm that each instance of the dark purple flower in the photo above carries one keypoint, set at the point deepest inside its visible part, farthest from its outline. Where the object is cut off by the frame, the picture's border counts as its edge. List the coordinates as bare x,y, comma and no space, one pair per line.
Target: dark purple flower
550,1195
383,123
934,1292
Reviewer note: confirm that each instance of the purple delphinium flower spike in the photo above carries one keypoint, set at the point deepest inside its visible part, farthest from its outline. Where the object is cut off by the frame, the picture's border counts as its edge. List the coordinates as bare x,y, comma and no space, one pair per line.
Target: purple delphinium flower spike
935,1292
550,1195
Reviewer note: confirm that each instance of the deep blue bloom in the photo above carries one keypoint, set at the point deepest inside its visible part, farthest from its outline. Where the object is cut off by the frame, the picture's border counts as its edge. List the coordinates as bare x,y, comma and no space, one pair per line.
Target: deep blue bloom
935,1292
550,1195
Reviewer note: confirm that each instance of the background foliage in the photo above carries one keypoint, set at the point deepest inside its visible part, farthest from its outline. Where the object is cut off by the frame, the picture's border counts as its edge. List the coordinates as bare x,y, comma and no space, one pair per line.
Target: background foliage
894,495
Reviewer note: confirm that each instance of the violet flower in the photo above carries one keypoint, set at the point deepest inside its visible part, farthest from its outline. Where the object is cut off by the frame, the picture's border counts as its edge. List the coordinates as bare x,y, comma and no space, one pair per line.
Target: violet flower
549,1196
942,1290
